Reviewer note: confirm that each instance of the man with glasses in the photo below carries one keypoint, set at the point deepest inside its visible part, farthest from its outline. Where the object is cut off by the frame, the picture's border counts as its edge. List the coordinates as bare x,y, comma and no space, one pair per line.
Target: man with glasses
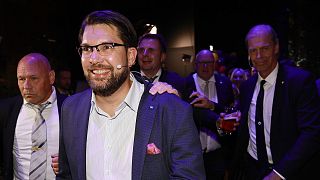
116,129
209,94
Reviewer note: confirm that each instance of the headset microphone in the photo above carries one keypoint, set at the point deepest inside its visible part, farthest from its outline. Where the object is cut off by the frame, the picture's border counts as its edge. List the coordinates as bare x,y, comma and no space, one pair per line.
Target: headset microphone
249,61
119,66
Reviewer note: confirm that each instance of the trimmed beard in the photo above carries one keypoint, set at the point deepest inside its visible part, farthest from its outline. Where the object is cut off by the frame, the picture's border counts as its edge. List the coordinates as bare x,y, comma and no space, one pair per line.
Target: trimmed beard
111,85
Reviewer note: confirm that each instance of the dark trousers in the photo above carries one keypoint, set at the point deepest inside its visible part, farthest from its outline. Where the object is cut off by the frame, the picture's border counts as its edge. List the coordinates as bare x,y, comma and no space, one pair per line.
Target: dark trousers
215,164
254,170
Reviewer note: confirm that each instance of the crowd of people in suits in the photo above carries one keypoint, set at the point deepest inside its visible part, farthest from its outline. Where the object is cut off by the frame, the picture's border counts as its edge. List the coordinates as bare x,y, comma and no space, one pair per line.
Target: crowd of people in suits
125,127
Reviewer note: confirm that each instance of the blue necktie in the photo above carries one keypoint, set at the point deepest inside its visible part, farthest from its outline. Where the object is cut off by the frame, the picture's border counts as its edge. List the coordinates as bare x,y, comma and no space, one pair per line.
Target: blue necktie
150,80
260,139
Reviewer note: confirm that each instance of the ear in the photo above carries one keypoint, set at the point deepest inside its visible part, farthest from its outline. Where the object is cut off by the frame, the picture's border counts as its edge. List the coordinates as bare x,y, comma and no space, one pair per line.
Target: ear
52,76
163,57
131,55
277,48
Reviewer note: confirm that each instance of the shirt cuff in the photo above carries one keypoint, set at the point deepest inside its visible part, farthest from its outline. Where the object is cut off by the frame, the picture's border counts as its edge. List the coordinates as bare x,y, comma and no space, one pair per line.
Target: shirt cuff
278,174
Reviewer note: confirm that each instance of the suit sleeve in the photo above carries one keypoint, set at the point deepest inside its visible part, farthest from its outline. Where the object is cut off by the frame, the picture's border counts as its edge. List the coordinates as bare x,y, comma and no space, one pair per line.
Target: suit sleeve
186,154
64,170
306,114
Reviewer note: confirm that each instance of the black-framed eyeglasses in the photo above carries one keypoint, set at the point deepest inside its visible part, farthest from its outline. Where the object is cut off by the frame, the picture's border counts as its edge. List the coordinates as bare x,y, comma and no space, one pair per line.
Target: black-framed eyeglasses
102,49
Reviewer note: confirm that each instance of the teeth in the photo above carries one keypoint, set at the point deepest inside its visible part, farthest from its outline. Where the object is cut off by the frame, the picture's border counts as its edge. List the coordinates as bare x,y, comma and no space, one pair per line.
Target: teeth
99,71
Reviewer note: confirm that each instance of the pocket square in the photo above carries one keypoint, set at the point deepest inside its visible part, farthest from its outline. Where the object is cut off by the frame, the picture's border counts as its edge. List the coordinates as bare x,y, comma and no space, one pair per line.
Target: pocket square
152,149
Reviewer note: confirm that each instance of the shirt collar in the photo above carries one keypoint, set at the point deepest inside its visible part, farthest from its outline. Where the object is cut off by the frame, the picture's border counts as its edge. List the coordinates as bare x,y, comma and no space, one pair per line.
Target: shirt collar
212,79
157,74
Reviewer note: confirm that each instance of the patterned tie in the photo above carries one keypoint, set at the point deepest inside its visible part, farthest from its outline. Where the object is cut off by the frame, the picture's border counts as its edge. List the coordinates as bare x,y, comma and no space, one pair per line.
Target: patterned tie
203,132
260,139
38,163
206,89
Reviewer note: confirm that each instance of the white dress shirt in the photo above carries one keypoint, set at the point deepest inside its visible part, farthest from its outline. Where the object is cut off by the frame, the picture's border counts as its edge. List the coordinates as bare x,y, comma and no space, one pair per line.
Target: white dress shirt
22,138
110,139
208,139
269,88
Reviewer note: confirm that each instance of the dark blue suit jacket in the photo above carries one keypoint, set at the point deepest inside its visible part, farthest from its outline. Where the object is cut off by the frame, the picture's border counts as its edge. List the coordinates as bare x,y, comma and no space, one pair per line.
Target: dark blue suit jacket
162,119
9,112
173,79
295,123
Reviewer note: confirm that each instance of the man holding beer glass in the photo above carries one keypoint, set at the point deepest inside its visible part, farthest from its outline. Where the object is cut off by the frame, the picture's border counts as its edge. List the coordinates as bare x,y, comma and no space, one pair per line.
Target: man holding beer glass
210,94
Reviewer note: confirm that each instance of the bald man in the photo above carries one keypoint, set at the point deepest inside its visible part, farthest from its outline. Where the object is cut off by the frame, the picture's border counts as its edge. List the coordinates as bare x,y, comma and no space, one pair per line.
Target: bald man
207,104
35,81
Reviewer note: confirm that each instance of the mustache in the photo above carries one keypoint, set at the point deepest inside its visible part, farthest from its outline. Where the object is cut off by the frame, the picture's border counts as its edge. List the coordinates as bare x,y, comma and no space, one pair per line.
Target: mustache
100,66
28,93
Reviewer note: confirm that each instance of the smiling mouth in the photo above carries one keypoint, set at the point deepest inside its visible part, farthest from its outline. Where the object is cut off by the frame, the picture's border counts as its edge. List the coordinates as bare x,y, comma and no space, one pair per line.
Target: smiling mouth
100,71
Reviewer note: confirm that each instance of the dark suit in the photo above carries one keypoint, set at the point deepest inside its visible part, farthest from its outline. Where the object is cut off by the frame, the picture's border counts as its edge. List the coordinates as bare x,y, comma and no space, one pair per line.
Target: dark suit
295,124
173,79
318,86
169,125
9,112
216,161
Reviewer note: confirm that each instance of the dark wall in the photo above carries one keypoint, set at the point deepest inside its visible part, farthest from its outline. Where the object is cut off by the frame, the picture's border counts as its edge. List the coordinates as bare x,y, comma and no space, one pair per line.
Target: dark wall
51,27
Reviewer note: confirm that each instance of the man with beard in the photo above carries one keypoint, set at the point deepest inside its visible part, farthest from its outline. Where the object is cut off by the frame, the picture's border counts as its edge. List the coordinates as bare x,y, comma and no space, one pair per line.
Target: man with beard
116,129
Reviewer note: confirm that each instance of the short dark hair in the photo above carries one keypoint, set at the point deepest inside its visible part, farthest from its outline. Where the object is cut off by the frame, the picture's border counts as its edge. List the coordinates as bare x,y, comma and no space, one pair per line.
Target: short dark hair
125,28
158,37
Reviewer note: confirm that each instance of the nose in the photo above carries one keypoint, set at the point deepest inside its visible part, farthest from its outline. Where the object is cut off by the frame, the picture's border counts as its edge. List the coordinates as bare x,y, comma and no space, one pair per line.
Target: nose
145,52
26,84
94,57
258,53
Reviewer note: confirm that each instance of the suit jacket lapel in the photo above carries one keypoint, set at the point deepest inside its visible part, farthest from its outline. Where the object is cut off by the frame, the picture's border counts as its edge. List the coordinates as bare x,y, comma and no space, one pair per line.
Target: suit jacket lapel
277,99
163,76
144,124
246,97
220,89
81,120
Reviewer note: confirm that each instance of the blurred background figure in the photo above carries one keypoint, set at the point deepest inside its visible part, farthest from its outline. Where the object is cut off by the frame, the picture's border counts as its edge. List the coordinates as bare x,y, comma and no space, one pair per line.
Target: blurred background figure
318,85
4,90
219,66
238,75
63,81
152,50
210,94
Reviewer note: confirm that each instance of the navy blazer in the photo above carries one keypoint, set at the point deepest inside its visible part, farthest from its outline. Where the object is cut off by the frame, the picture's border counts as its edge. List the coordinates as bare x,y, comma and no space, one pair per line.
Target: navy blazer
174,79
295,123
162,119
9,112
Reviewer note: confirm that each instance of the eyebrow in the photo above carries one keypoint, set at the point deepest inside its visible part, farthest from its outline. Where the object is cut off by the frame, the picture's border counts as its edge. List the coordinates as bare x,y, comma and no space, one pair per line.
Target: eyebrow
86,44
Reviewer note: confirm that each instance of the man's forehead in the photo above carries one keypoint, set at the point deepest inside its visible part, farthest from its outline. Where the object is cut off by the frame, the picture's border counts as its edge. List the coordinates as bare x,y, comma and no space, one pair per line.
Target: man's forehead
205,58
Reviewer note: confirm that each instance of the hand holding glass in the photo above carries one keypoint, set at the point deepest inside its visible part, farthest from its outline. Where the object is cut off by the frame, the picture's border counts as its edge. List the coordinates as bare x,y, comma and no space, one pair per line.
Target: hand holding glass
229,121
